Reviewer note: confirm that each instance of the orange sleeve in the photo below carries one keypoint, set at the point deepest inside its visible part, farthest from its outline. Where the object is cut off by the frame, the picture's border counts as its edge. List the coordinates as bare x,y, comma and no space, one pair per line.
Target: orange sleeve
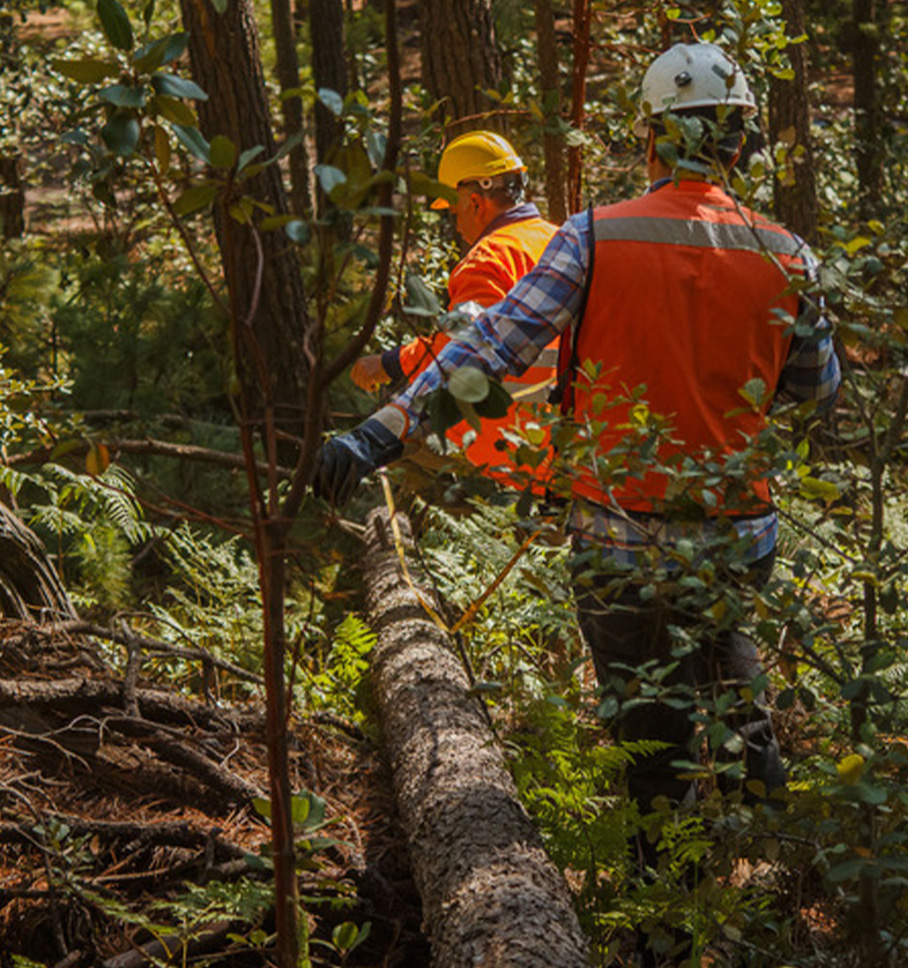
416,355
487,273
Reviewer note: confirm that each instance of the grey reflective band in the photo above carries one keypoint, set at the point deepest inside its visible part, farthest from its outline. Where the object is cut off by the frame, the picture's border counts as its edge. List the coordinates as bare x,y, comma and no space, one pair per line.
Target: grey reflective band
703,235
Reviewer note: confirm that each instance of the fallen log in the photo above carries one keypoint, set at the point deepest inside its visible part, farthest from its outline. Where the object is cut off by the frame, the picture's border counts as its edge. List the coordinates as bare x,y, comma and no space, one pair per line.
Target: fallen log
491,897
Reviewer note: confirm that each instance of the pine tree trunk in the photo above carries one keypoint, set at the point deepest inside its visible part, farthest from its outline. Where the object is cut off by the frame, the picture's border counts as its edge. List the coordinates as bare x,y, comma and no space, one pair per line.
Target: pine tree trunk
794,189
460,57
225,62
288,73
552,144
491,897
329,68
867,114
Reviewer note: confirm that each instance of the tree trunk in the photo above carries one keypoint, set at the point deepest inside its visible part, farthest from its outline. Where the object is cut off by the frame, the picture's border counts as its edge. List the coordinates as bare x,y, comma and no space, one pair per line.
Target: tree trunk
552,143
329,68
264,283
582,17
288,73
867,119
794,188
460,58
490,895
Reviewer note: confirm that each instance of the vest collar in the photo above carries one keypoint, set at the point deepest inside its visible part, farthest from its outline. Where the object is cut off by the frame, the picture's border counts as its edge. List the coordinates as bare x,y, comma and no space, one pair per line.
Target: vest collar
519,213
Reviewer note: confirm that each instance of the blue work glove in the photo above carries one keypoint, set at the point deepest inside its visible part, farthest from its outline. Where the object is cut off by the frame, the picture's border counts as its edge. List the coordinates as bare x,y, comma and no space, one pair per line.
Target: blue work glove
346,459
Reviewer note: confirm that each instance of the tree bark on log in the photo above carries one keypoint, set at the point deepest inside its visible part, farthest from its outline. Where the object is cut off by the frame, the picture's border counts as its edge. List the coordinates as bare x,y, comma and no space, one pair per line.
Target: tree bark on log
491,897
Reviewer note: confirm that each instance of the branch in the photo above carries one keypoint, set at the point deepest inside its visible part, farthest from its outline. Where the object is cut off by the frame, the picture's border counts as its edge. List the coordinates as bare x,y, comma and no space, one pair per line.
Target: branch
157,448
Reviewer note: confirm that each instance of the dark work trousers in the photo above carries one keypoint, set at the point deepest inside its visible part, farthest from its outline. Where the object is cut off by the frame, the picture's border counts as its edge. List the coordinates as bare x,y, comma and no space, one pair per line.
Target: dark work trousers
624,632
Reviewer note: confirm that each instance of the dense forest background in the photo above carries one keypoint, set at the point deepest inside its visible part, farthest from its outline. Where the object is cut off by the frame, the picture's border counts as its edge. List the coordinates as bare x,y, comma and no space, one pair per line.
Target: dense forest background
209,209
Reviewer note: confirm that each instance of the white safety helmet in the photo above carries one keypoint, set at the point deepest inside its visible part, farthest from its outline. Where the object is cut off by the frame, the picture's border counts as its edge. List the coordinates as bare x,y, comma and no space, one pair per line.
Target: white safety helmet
692,76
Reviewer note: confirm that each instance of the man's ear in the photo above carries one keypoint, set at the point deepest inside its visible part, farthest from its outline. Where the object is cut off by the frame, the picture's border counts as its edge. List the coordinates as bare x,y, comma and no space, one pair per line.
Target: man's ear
651,153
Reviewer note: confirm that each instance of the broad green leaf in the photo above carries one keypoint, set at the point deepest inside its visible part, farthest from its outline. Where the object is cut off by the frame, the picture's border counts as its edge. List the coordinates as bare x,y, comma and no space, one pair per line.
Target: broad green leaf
193,141
420,296
299,810
298,231
149,57
220,6
248,155
469,384
754,391
162,148
194,199
289,144
87,70
121,134
329,178
175,86
332,100
813,488
160,52
223,152
344,936
175,111
115,22
124,96
497,404
242,210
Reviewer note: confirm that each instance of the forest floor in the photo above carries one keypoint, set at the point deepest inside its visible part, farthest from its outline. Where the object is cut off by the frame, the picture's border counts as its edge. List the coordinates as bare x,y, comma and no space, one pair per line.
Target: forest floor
122,799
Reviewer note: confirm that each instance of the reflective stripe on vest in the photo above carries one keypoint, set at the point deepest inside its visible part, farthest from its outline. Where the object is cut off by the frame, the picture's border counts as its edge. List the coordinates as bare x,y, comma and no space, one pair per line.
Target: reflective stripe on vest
689,299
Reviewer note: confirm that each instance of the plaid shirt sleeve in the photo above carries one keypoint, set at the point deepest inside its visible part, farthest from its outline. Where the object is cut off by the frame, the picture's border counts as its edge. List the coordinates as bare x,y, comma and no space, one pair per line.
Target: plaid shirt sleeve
812,370
507,337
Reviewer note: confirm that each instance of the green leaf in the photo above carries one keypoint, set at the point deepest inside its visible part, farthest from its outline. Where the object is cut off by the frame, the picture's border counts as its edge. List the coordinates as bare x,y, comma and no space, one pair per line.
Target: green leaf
420,296
248,155
86,70
175,46
469,384
329,178
813,489
175,111
344,936
192,140
496,404
331,100
175,86
262,807
124,96
220,6
298,231
121,134
115,22
223,152
195,198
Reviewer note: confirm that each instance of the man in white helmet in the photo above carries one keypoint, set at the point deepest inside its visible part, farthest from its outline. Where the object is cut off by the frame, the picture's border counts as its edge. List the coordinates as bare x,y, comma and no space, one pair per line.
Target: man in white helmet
505,236
669,304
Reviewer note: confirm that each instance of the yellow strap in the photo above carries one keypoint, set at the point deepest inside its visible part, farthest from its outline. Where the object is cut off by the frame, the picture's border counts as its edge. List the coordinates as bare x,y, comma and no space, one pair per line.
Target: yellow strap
401,554
474,607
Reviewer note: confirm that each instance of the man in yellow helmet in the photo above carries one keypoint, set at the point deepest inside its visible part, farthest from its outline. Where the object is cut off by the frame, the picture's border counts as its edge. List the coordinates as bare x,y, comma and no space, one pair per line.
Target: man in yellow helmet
506,236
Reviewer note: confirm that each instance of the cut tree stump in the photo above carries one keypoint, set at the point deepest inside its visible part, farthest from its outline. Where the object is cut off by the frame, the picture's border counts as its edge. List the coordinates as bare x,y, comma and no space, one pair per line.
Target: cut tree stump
491,896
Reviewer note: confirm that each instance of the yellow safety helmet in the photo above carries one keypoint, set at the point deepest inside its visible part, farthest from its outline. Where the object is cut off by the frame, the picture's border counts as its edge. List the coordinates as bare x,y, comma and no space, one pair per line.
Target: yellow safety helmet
476,156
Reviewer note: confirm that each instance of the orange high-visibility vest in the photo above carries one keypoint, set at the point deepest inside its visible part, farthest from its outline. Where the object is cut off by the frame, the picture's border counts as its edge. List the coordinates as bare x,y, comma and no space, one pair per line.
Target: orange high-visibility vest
485,276
690,296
